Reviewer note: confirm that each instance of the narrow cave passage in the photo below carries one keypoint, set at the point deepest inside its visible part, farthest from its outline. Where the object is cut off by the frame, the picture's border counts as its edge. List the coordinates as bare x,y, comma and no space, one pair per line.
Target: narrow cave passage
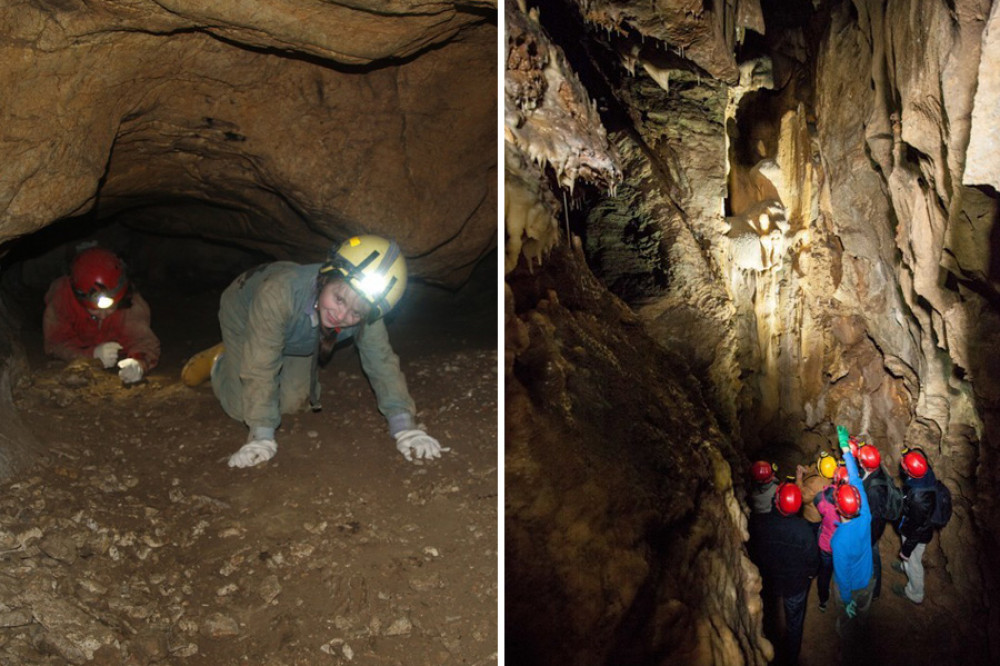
752,228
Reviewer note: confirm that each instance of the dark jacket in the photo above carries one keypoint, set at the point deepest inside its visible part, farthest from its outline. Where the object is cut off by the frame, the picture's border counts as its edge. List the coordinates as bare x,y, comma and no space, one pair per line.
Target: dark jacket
877,495
915,524
784,549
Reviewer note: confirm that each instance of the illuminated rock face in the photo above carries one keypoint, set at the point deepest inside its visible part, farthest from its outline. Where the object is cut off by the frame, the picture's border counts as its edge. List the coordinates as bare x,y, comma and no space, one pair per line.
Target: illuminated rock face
869,300
280,126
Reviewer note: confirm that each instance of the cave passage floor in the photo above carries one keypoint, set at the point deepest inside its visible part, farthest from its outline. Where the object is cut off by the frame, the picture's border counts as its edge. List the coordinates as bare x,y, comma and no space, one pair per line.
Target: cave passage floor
133,532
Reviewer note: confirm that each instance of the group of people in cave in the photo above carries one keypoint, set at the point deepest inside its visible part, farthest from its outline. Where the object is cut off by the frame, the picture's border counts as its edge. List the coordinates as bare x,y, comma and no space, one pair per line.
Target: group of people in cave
825,523
280,323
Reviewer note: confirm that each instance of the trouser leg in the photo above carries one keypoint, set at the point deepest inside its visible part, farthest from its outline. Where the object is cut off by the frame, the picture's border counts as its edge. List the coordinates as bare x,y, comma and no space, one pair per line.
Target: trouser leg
795,617
877,563
226,383
824,576
914,568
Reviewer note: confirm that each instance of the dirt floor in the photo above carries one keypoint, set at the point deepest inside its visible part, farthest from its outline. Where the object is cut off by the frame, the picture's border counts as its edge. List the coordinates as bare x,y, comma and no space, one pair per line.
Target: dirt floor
133,542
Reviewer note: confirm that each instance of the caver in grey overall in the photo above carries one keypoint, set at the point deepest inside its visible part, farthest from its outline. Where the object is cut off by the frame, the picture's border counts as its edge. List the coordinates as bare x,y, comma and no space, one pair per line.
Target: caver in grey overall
270,329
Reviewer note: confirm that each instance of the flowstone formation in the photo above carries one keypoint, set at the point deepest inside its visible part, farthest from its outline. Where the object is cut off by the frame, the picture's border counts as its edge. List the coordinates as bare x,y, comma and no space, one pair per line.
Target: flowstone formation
808,220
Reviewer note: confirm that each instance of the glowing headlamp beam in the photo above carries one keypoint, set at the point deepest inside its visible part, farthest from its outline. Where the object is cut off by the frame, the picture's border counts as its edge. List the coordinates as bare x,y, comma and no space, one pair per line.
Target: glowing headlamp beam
373,286
104,302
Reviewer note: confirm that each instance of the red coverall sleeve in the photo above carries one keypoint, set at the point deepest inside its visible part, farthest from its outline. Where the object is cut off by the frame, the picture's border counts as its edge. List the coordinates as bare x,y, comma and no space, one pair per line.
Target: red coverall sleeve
137,337
61,337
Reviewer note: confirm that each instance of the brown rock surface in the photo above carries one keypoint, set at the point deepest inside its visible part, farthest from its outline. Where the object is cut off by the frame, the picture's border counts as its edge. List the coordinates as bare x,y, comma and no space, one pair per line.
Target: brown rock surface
280,126
878,311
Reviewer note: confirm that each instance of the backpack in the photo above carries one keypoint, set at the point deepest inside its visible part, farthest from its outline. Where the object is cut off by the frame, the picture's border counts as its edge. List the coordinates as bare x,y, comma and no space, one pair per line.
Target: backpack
941,513
892,509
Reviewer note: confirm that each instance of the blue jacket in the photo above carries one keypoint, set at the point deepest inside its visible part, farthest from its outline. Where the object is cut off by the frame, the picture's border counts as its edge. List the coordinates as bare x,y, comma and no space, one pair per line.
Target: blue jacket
851,543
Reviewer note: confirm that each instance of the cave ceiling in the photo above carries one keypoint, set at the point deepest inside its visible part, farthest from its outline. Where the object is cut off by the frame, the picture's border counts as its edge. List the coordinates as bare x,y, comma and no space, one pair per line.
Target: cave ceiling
277,126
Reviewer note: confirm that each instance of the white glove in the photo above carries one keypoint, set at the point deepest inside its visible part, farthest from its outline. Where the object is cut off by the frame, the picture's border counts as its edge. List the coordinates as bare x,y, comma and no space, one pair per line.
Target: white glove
129,370
107,353
417,443
253,453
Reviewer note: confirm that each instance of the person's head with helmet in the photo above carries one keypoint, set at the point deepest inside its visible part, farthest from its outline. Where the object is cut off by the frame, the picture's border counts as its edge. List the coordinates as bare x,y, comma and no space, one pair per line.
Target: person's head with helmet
313,307
826,464
361,280
763,472
99,281
869,457
914,463
847,499
788,499
840,475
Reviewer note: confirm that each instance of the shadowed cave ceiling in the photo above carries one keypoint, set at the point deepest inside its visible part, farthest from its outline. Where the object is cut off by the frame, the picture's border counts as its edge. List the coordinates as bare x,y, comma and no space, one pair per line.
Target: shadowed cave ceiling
783,217
210,134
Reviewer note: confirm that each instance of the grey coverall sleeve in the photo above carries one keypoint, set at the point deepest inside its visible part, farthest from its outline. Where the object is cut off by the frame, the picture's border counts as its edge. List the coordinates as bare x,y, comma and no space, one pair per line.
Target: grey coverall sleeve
270,312
381,365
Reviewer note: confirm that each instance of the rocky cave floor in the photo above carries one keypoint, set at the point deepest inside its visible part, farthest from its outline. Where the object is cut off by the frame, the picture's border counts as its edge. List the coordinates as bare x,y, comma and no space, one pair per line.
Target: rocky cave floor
132,542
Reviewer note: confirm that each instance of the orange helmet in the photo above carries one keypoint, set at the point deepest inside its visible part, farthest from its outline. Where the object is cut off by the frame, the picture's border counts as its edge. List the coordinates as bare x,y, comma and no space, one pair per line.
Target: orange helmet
763,471
869,457
914,463
788,499
848,500
98,278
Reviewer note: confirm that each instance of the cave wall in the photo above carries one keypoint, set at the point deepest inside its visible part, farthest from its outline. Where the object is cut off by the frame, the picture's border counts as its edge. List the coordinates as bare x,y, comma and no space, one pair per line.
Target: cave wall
623,523
897,162
290,126
623,527
845,271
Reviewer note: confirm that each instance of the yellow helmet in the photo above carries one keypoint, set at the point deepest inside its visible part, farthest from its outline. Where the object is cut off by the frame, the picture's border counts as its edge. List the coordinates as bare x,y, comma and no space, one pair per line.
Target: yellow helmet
374,267
826,464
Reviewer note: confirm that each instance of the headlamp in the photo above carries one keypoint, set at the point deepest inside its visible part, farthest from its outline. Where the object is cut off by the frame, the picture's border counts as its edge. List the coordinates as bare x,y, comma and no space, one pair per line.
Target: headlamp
104,302
373,285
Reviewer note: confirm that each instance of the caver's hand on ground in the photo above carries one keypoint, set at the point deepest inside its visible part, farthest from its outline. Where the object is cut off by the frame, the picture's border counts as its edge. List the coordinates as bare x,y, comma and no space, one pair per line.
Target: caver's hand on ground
417,443
253,453
129,370
107,353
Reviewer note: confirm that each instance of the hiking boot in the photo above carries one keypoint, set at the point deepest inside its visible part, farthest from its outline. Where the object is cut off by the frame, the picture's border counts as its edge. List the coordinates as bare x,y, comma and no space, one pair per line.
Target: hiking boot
199,367
898,567
900,591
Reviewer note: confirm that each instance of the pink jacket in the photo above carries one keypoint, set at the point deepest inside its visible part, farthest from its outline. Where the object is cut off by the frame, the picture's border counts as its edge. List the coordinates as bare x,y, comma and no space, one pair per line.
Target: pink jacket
831,519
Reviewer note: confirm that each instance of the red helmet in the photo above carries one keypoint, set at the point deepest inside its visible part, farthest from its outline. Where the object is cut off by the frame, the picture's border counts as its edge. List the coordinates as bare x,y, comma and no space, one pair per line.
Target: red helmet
914,463
848,500
841,475
98,278
763,471
869,457
788,498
